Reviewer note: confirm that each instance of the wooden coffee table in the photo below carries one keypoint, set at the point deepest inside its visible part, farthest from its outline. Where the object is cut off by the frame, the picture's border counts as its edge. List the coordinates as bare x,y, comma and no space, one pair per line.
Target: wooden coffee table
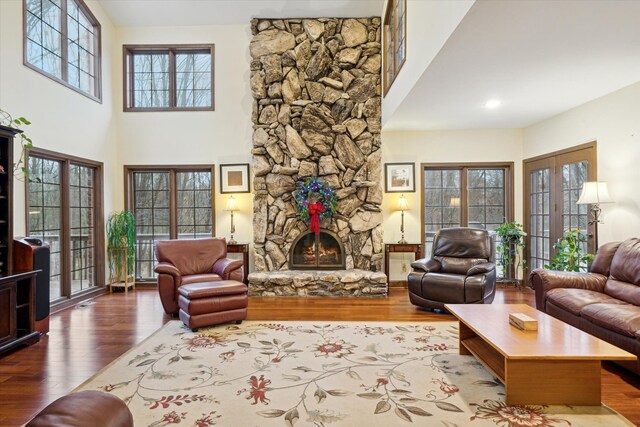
555,365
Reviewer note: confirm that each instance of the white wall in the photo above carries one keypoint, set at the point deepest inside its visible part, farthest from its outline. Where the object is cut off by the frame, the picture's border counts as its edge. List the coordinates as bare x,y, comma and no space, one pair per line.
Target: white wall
454,146
429,25
62,119
614,122
218,137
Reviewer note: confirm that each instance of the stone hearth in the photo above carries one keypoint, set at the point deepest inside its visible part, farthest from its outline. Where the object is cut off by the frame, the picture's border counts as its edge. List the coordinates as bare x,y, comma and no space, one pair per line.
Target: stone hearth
316,85
338,283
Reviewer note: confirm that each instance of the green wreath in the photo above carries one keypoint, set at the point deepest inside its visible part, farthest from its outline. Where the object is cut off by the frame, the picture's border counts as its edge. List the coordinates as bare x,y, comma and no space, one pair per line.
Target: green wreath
312,190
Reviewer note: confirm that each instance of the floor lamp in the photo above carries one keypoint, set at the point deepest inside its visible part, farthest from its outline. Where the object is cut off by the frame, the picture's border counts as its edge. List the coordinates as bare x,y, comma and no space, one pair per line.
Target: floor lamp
594,193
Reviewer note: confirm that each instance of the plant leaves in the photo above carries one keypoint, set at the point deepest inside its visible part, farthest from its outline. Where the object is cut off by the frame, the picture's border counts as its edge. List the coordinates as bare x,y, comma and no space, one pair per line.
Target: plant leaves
382,406
408,400
354,375
369,358
244,344
400,391
339,392
403,414
369,395
291,377
271,413
267,343
292,417
446,406
418,411
173,359
486,383
146,362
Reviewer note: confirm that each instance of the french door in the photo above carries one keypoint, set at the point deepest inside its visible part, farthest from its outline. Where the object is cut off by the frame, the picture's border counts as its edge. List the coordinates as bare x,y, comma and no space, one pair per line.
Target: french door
552,185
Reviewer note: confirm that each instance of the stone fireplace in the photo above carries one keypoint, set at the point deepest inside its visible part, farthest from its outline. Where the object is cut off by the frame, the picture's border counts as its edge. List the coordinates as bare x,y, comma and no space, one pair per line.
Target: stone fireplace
317,252
316,85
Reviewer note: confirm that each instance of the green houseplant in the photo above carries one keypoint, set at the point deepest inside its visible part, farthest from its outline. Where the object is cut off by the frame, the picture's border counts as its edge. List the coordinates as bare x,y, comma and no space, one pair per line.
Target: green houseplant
20,170
569,255
121,247
509,249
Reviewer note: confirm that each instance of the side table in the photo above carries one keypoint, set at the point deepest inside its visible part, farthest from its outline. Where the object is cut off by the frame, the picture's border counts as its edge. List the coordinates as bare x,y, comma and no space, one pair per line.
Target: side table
242,248
415,248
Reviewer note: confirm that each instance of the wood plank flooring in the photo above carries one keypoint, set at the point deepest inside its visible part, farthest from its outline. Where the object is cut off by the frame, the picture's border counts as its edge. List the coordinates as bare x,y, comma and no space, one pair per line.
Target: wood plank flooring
85,338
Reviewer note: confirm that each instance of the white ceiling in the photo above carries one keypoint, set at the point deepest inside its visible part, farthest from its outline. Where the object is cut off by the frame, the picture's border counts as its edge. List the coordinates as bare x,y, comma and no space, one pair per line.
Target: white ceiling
539,57
145,13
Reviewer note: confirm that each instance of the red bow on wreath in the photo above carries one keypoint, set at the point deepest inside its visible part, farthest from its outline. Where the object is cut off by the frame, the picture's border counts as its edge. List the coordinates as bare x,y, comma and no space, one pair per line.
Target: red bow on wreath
315,209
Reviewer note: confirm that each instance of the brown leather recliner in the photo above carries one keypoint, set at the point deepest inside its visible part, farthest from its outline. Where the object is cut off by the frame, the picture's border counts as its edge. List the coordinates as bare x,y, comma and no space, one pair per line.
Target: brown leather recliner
604,302
192,261
461,270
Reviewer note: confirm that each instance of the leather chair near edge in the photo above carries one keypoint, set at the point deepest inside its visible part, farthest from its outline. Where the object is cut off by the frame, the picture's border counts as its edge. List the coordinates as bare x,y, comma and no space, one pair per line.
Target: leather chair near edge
461,270
186,261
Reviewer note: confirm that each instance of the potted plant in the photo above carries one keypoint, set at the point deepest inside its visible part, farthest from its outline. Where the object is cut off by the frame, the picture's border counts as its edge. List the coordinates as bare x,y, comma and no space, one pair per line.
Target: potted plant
20,170
569,255
121,249
509,250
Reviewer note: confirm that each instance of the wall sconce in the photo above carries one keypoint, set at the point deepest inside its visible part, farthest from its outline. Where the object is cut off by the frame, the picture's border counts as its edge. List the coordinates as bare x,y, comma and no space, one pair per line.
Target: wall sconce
593,193
232,206
403,205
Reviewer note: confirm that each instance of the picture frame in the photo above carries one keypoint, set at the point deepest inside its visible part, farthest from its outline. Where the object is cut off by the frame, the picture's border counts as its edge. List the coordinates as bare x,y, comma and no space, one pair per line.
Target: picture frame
234,178
399,177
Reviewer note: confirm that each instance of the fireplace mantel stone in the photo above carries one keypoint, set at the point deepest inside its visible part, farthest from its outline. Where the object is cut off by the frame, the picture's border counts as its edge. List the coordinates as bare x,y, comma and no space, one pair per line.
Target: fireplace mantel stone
321,283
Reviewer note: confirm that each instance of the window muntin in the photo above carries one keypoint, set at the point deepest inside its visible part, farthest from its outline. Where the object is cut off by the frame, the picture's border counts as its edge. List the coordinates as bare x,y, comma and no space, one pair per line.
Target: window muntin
62,41
164,78
64,205
169,202
395,34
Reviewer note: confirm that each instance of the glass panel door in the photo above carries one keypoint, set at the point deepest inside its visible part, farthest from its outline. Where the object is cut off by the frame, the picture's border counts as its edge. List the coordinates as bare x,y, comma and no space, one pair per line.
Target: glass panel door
442,204
539,216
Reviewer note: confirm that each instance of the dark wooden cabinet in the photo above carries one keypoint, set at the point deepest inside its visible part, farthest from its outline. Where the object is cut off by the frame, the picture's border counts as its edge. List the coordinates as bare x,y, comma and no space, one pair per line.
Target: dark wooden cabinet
17,310
241,248
17,286
6,200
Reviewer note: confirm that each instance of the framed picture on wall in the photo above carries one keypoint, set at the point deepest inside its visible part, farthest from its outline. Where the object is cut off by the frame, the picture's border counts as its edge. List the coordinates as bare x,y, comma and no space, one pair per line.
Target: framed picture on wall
234,178
399,177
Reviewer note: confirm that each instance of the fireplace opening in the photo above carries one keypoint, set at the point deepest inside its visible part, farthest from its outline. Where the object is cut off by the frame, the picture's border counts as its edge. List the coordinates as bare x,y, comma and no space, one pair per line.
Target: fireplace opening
322,252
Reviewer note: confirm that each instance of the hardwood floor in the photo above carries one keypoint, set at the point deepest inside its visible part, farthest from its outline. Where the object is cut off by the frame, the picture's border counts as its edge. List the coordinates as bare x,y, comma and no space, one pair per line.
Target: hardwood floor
85,338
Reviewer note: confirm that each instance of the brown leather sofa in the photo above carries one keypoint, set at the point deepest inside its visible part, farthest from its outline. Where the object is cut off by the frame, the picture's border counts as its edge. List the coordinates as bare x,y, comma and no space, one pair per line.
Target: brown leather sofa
192,261
87,408
461,270
605,302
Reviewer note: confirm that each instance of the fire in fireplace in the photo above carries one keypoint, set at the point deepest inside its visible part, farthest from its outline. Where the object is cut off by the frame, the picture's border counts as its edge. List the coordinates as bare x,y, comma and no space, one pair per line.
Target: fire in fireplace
322,252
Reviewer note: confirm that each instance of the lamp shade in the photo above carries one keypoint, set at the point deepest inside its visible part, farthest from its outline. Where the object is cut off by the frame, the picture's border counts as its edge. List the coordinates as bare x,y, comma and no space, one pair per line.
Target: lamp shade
403,204
454,202
594,192
231,204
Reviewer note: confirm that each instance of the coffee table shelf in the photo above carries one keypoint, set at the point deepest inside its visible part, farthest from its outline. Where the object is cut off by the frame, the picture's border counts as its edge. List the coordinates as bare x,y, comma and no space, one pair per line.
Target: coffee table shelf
555,365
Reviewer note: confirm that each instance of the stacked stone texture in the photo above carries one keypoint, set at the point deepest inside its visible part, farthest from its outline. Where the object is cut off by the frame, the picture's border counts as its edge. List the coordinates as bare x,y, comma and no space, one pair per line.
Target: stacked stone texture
316,86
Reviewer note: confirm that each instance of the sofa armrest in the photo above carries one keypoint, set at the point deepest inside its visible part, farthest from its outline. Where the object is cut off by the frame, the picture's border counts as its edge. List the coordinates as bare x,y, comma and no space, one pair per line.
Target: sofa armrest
224,266
542,281
428,265
167,268
482,268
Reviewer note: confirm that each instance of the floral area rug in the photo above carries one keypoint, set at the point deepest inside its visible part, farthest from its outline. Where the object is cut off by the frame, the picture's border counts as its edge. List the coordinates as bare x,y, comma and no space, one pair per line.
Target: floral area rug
319,374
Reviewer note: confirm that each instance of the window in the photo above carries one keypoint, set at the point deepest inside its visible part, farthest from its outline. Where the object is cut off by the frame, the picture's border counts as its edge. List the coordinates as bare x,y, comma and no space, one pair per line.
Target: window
165,78
465,195
395,40
551,189
64,205
62,41
168,203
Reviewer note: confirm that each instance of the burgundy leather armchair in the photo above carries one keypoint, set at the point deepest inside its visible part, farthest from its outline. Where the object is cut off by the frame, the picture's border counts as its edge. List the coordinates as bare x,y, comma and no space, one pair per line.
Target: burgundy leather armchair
181,262
461,270
604,302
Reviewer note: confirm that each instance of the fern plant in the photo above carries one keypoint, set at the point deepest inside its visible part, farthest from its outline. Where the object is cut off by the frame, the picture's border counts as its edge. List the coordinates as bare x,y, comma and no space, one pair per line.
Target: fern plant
121,244
569,255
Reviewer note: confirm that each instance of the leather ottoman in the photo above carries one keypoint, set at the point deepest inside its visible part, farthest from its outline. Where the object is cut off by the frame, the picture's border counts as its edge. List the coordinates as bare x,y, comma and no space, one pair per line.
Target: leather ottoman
211,303
85,408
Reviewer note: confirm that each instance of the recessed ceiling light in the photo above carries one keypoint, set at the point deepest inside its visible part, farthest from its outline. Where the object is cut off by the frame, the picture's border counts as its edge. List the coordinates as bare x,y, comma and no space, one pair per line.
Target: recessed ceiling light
492,103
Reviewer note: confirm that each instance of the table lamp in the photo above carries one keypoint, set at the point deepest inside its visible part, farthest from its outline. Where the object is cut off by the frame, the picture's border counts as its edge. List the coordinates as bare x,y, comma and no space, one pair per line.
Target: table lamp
232,207
594,193
403,205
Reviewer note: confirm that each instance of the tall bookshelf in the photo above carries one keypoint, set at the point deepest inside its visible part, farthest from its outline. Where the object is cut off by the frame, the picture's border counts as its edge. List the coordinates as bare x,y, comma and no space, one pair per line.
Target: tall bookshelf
6,198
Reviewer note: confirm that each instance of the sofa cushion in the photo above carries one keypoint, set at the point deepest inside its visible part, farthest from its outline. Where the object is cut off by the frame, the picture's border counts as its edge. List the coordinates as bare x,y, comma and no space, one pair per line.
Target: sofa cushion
621,318
624,291
574,300
625,265
199,278
191,256
446,288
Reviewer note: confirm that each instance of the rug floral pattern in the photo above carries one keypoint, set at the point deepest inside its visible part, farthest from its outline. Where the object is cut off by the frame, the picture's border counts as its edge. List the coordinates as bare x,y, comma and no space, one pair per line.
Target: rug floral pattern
319,374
